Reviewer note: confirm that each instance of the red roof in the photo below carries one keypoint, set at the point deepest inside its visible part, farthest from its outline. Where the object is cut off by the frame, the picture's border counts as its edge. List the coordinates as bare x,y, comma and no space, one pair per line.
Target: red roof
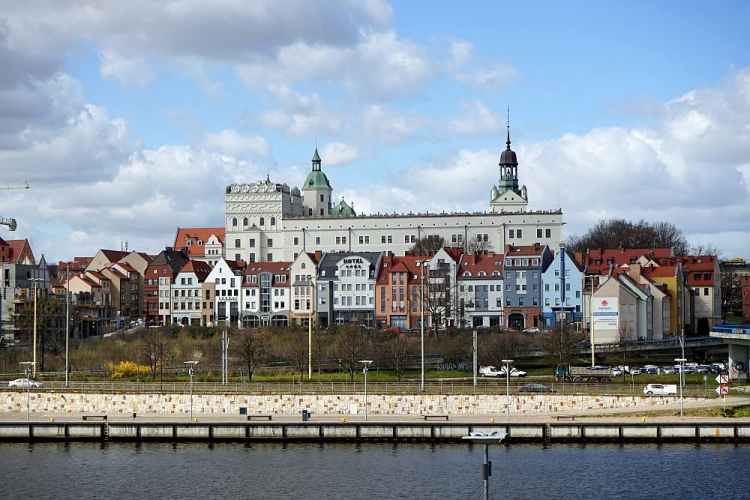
195,238
599,260
475,264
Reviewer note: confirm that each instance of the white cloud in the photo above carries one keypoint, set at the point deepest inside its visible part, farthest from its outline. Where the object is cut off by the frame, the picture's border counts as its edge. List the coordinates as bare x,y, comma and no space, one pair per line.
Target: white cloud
233,143
477,121
478,72
128,71
338,153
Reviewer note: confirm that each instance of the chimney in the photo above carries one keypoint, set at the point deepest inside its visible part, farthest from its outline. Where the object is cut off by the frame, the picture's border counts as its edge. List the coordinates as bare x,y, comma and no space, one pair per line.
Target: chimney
635,272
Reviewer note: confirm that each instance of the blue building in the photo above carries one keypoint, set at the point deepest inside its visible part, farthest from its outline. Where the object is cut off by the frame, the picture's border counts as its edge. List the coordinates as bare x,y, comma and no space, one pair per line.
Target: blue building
562,283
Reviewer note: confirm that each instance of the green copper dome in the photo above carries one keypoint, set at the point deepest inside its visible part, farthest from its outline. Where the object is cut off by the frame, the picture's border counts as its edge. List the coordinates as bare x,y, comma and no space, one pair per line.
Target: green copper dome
343,210
316,180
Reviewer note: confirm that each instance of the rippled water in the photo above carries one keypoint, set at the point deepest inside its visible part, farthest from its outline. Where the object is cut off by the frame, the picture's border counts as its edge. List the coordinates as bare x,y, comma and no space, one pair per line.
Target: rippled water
371,471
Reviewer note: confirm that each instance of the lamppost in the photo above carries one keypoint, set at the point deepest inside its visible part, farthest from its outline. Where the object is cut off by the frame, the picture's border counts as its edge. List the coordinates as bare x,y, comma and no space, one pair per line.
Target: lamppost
507,387
366,363
191,371
35,280
309,327
682,377
67,322
27,365
486,440
421,324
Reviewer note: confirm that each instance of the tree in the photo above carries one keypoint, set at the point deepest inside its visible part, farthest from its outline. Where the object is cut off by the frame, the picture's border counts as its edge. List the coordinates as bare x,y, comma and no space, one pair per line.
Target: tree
251,345
291,345
398,348
624,342
155,346
479,246
351,345
50,321
560,344
731,290
619,233
427,246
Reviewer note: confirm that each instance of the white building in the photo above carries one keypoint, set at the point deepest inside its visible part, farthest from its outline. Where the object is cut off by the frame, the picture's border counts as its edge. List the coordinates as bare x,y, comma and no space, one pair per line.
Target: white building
227,279
268,221
186,293
266,294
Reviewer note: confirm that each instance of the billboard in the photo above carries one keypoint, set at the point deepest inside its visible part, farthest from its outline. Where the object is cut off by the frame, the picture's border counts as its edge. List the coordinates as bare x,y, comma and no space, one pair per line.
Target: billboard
606,313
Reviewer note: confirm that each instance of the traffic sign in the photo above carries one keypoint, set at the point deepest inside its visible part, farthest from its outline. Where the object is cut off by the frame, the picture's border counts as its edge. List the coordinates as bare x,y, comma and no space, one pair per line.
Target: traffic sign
722,378
722,390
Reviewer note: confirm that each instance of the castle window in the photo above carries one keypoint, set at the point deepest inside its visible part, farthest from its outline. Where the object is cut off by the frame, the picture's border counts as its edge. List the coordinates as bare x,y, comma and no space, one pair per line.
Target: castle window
234,222
244,222
273,221
262,221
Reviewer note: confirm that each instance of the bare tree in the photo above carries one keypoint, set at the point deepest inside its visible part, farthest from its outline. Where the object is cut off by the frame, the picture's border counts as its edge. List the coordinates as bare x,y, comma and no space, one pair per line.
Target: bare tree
398,348
619,233
428,245
624,341
155,347
731,291
559,345
351,345
50,316
251,345
291,345
479,246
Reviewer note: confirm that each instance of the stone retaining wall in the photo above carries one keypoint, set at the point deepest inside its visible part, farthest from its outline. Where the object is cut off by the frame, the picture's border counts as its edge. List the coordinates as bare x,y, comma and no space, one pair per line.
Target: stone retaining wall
230,404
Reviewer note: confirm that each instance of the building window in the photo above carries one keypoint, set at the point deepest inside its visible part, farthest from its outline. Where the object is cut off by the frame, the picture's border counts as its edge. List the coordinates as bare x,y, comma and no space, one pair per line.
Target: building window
296,241
237,243
511,233
317,240
262,221
273,221
519,233
252,242
364,240
538,233
322,198
548,233
270,242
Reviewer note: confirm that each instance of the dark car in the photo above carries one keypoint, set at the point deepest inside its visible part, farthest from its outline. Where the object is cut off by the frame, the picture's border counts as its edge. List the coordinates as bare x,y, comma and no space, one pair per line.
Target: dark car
536,388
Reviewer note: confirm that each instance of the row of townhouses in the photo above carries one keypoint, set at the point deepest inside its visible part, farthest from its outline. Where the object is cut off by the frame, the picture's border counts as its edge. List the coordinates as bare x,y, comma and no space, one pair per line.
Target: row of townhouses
290,255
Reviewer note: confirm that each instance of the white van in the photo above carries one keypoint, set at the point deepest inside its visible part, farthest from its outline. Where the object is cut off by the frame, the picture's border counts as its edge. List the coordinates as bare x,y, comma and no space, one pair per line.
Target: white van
660,390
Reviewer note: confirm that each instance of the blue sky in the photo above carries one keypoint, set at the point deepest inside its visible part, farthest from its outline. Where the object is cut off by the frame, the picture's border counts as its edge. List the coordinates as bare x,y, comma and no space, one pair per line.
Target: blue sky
128,120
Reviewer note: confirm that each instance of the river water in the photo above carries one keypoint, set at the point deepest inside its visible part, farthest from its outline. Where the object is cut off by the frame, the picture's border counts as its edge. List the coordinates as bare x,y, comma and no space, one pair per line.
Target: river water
371,471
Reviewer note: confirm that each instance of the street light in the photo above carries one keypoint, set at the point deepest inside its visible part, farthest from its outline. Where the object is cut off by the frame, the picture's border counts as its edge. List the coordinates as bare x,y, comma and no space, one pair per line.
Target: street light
27,365
309,327
35,280
507,387
486,440
67,322
682,377
421,324
191,371
366,363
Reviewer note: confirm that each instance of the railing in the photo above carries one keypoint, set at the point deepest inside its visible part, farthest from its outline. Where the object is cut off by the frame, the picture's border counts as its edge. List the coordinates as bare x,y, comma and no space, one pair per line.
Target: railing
731,329
445,388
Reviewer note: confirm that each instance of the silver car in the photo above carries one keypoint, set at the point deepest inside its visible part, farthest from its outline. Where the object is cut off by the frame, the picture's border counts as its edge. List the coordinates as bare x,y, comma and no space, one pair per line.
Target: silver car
25,383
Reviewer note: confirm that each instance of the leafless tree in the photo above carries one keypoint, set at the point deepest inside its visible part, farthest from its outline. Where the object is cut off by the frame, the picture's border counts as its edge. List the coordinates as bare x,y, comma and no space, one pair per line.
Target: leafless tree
624,341
479,246
251,345
155,346
559,345
397,348
50,318
290,344
619,233
427,246
350,345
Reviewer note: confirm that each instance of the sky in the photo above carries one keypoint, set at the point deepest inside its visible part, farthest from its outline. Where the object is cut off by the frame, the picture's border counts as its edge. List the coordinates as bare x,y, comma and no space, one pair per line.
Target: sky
129,119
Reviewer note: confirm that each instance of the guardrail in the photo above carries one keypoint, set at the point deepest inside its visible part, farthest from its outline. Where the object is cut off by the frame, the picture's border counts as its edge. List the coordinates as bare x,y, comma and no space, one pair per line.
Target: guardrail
731,329
390,388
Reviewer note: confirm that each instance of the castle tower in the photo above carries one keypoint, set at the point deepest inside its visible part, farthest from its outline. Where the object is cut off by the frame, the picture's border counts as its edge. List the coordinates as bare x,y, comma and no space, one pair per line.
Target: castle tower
507,196
316,191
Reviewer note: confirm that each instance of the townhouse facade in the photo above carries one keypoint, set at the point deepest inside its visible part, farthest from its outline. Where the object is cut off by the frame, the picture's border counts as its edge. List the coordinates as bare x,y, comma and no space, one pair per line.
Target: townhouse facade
399,291
187,292
346,288
480,287
227,278
562,295
266,295
523,268
159,278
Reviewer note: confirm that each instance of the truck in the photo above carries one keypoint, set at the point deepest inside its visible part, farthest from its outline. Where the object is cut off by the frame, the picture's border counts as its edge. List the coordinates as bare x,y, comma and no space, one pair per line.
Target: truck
570,373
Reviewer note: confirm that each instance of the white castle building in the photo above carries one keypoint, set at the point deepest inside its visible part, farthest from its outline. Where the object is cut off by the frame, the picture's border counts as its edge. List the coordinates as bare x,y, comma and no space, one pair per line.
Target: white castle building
267,221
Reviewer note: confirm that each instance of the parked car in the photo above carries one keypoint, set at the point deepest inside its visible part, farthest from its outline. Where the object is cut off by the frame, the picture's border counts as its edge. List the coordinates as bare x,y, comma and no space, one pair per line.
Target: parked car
652,370
668,370
659,390
636,371
535,388
616,372
703,369
490,371
718,367
24,383
514,372
531,329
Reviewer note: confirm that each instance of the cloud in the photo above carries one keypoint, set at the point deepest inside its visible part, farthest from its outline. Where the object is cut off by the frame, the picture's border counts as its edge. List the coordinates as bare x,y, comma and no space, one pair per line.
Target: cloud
478,72
128,71
235,144
477,121
337,153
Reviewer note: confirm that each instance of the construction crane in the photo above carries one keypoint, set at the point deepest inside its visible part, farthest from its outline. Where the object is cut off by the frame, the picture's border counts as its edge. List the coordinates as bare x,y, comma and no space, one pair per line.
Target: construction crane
11,223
